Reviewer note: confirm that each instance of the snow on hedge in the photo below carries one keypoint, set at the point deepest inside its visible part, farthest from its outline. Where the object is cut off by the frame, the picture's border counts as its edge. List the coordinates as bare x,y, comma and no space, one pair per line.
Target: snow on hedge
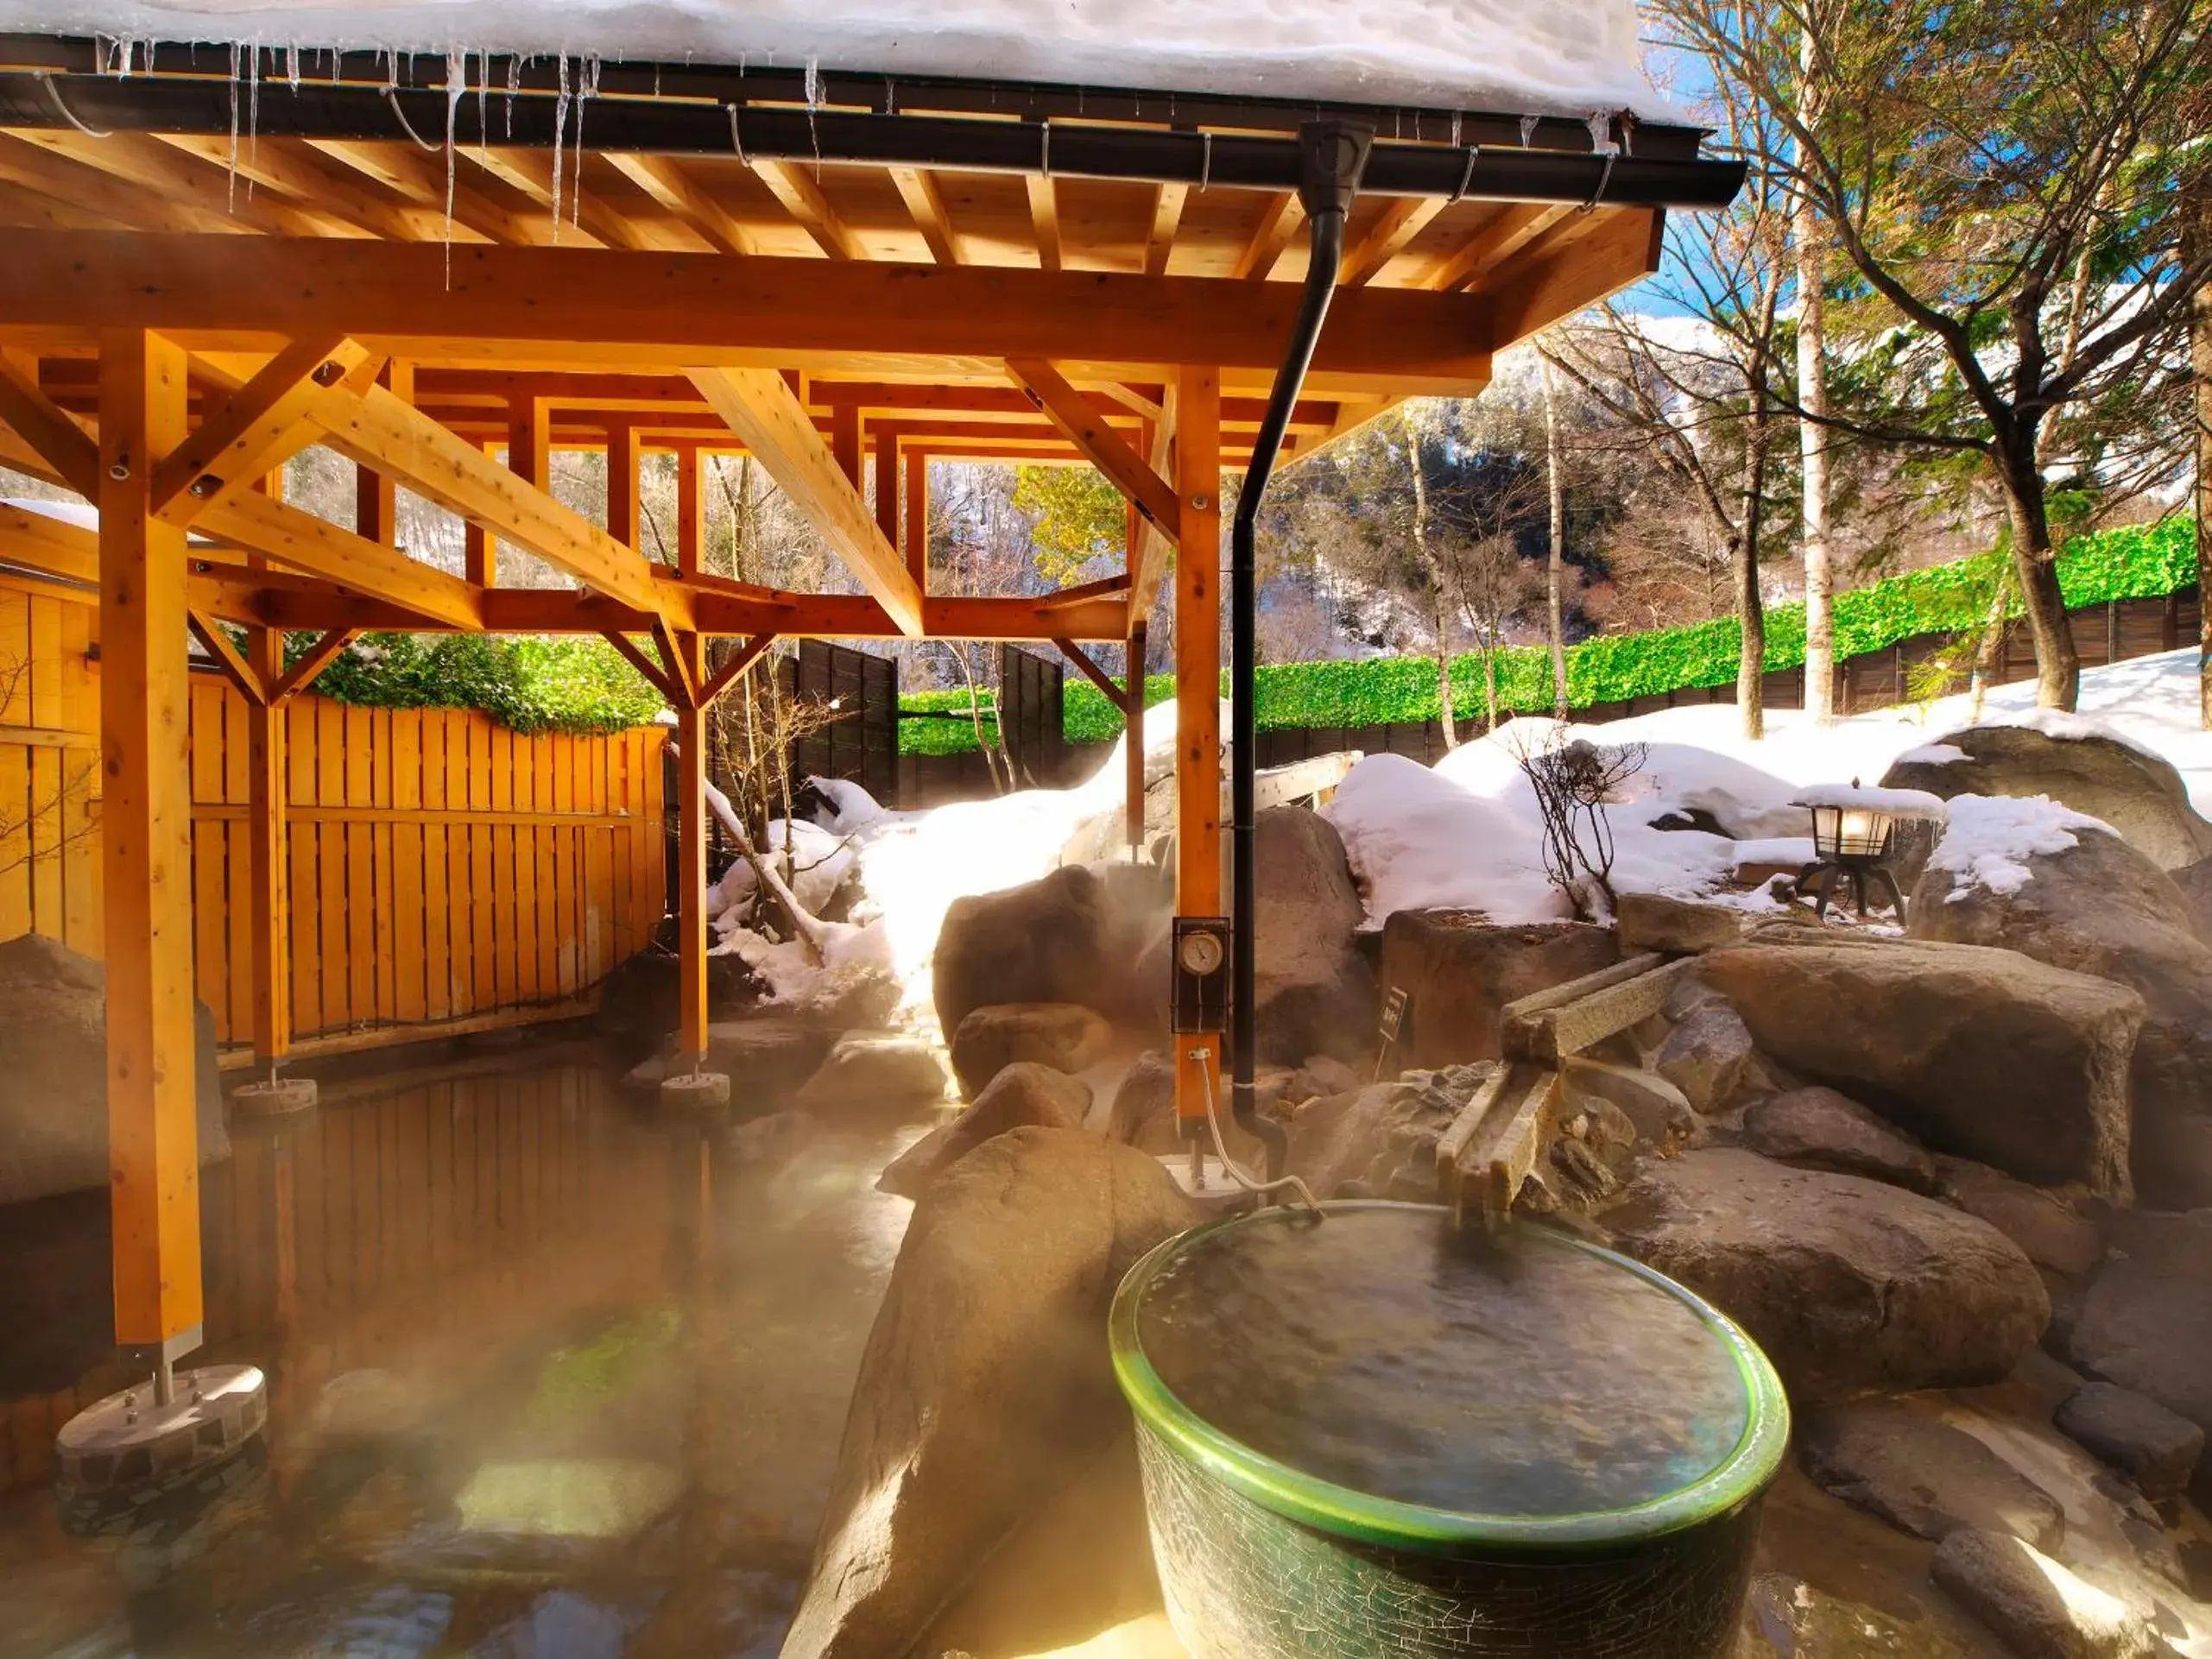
1567,57
1990,838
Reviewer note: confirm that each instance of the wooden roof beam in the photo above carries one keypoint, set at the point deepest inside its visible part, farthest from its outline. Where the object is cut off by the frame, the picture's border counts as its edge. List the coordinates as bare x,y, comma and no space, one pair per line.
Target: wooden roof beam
266,526
572,307
925,204
1601,260
32,210
678,192
381,430
257,428
1100,443
803,199
70,452
762,410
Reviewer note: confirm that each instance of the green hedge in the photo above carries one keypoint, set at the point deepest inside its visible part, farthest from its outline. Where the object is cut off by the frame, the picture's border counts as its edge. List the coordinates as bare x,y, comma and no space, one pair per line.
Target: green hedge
532,684
2137,562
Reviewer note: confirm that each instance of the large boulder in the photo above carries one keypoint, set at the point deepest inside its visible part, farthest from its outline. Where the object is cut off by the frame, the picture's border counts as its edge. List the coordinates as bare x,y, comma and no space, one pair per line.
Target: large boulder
986,1386
2096,904
1922,1475
1064,1035
1817,1128
1074,936
2146,1324
1848,1285
2038,1608
1458,969
2155,1448
1986,1054
1706,1056
54,1034
1024,1096
867,1070
2044,1224
2076,764
1315,992
768,1057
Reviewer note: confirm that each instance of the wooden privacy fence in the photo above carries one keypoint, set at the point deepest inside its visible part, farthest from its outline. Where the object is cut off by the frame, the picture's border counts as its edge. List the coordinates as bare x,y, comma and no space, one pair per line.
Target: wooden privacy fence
443,870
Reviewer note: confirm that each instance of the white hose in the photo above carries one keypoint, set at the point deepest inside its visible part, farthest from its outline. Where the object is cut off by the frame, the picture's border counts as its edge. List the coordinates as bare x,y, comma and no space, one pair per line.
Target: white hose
1204,1057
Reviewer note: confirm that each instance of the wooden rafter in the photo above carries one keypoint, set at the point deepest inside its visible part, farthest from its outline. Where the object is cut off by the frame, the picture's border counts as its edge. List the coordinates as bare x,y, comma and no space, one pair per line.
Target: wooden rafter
1100,443
1149,559
1091,671
762,410
925,203
680,664
313,181
1515,226
581,216
1602,259
1279,223
803,199
678,193
257,428
1402,219
63,180
31,210
1167,202
415,177
1044,220
140,160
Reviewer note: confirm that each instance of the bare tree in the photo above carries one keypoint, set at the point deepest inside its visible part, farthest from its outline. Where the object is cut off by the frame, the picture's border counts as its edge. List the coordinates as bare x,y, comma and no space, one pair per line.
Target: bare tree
1555,565
1574,781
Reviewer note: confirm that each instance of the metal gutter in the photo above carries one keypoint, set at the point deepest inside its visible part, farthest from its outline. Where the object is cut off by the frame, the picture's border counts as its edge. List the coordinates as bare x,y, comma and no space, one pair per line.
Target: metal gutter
1088,147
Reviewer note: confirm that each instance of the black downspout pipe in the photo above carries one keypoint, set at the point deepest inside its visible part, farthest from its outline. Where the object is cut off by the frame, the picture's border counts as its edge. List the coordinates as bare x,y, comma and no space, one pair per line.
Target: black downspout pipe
1331,156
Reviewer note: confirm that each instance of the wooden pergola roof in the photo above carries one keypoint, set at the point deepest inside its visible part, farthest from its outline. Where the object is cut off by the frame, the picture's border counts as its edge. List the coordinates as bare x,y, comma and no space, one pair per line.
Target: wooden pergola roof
896,272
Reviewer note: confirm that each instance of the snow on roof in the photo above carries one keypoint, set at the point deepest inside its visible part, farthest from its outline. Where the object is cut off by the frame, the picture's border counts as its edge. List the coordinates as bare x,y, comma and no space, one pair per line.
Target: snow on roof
1556,57
1898,803
1991,837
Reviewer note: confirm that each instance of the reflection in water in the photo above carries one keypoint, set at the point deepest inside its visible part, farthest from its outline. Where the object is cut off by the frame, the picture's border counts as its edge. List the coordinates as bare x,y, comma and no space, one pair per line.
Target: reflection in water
547,1378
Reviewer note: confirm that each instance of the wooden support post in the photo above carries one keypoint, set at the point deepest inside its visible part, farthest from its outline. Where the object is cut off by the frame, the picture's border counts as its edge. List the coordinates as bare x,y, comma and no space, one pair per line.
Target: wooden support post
691,511
916,521
1197,703
1133,716
887,484
691,863
376,513
845,440
146,854
621,482
269,910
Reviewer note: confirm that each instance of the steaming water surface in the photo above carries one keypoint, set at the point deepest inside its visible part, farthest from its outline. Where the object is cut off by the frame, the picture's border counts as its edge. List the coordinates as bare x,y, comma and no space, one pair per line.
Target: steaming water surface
1384,1351
549,1377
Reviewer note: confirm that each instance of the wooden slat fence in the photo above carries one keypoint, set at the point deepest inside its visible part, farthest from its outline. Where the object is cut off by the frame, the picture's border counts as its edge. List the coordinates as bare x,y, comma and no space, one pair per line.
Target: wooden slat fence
443,868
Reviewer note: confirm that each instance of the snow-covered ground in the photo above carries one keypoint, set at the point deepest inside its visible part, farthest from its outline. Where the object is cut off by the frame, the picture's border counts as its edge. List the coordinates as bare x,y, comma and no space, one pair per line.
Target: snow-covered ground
1466,831
1567,57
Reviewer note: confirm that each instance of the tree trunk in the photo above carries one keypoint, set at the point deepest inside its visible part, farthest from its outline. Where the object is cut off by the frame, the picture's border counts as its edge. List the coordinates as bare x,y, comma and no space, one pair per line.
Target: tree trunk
1435,579
1556,564
2197,229
2058,668
1812,438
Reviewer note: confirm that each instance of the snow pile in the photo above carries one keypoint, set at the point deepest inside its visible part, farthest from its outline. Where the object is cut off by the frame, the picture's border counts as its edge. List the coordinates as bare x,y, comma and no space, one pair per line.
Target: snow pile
1868,798
1991,837
1416,840
1934,755
1566,57
2066,728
